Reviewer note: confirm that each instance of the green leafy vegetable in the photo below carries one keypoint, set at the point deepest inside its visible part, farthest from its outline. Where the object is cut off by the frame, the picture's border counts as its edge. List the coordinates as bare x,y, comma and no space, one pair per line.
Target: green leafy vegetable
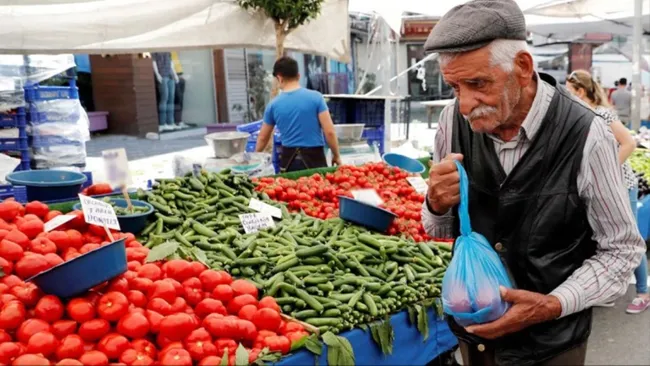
383,334
423,321
224,358
241,356
314,345
339,350
162,251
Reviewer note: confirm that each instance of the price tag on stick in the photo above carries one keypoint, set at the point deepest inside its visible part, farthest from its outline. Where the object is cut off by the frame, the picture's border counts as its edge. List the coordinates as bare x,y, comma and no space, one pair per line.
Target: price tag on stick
57,221
116,165
255,222
368,196
100,213
419,184
262,207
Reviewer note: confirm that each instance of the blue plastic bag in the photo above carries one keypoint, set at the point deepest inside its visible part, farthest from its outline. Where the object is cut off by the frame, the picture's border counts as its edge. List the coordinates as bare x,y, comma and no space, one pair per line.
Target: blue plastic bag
470,288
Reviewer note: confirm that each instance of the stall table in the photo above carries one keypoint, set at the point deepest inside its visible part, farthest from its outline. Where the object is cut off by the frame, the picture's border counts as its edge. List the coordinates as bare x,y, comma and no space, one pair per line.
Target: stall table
408,346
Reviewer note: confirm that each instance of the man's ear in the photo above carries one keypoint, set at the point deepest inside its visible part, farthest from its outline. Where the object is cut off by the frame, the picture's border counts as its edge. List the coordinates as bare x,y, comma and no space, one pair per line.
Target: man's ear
524,68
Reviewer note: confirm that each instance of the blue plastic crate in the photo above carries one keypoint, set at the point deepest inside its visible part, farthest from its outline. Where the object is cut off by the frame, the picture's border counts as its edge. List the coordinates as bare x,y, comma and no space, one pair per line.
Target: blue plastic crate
14,144
16,120
37,118
36,93
339,111
369,112
250,146
49,141
250,127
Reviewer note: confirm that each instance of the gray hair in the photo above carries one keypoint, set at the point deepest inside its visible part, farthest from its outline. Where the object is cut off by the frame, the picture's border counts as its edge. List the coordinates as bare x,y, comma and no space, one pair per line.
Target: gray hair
502,51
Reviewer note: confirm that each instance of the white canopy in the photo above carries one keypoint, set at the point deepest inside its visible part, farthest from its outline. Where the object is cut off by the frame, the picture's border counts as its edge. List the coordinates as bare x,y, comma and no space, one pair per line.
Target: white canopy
130,26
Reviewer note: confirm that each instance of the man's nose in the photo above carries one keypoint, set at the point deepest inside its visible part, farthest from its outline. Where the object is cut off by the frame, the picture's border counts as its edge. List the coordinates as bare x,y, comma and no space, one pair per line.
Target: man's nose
467,103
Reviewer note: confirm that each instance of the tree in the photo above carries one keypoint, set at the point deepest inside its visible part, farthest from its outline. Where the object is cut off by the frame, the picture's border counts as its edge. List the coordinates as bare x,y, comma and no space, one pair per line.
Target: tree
287,16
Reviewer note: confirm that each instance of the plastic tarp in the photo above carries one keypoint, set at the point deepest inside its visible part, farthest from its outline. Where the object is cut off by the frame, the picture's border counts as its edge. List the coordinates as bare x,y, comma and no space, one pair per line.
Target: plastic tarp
131,26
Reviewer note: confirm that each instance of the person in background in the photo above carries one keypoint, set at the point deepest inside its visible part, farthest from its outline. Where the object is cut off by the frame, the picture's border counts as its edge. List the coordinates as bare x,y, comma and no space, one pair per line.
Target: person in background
302,117
622,101
610,91
179,93
545,189
581,84
167,80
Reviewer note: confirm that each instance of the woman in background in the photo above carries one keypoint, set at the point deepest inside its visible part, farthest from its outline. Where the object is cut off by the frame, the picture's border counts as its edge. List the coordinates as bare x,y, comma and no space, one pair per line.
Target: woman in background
581,84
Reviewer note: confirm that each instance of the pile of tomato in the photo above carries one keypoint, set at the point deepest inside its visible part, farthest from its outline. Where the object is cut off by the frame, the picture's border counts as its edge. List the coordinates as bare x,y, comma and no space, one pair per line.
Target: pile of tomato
317,195
163,313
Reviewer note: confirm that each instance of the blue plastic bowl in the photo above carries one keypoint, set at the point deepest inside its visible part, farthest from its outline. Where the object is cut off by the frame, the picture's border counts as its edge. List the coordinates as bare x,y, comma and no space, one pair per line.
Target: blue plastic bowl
48,185
364,214
80,274
129,223
404,163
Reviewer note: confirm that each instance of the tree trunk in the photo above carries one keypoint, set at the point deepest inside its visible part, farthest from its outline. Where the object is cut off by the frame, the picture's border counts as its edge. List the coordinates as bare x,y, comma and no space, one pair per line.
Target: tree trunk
280,36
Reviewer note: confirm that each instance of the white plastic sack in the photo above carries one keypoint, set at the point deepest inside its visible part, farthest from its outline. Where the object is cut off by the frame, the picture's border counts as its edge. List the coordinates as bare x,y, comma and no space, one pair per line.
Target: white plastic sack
253,164
7,165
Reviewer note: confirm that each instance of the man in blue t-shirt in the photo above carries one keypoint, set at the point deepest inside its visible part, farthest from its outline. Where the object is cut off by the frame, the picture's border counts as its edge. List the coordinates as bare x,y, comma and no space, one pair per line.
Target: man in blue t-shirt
303,119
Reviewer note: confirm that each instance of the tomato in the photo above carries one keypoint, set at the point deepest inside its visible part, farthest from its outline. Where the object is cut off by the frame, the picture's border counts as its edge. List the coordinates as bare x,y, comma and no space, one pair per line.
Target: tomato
9,210
292,327
176,357
210,361
243,287
88,248
10,250
211,278
144,346
30,360
53,259
11,280
209,306
160,306
137,298
27,293
4,336
31,228
177,326
269,302
134,357
240,301
44,343
141,284
29,266
93,330
199,344
164,290
178,269
71,346
10,351
37,208
49,308
137,254
154,319
280,344
120,284
30,327
178,305
6,266
80,310
224,344
133,325
192,290
112,306
267,319
94,358
69,362
223,293
150,271
113,345
42,245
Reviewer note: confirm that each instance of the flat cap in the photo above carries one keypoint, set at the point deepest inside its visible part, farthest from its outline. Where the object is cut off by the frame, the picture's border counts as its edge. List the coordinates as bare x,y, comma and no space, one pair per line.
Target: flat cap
475,24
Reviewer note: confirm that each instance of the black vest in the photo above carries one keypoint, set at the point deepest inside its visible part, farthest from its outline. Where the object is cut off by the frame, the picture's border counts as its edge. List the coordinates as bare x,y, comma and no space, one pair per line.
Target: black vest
536,215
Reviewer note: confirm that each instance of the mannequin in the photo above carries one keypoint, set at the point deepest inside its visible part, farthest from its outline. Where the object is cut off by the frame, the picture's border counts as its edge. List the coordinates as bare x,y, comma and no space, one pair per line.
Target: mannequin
167,80
180,91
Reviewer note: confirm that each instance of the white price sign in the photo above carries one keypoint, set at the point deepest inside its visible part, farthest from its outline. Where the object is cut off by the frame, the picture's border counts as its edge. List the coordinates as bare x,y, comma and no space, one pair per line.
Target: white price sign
262,207
419,184
255,222
98,212
57,221
368,196
116,165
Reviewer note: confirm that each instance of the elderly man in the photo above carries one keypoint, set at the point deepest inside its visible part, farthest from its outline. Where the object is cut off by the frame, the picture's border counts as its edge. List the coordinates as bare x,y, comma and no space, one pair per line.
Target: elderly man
545,189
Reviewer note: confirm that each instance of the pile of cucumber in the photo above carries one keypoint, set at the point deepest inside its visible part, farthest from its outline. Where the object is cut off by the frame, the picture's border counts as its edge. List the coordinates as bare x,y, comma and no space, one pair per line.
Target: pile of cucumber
329,274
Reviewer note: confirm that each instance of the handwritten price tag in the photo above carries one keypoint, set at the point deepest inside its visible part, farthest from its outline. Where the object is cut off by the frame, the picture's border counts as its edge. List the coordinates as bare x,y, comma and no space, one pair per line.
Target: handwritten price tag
419,184
262,207
116,165
255,222
98,212
57,221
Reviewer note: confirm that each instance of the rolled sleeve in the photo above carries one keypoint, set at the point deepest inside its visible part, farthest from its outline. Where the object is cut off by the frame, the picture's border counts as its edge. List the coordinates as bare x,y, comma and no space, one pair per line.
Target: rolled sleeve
603,277
440,226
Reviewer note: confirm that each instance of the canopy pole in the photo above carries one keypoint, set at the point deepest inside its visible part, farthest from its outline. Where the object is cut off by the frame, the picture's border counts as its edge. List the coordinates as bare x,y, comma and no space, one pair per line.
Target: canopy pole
636,64
428,57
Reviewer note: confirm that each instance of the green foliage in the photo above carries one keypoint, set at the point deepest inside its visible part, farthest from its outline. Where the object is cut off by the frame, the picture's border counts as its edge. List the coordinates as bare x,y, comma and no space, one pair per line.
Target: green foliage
289,13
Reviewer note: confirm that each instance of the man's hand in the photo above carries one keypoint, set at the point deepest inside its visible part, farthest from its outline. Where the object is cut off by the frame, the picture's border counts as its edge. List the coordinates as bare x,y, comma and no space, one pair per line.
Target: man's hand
526,309
336,160
444,184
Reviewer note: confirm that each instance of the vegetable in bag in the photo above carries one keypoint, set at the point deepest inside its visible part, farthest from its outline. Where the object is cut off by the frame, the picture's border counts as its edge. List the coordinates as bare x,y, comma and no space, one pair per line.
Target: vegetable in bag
470,288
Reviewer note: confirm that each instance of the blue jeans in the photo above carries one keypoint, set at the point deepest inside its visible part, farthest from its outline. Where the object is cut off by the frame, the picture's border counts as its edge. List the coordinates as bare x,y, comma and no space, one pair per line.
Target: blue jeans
641,273
166,105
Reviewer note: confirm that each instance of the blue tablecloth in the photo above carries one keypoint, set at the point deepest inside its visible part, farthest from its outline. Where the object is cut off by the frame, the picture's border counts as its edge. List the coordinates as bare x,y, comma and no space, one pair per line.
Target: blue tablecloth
408,347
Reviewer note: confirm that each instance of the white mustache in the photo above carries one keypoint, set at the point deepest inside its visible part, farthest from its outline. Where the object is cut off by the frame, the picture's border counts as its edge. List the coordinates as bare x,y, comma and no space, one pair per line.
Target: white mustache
480,111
